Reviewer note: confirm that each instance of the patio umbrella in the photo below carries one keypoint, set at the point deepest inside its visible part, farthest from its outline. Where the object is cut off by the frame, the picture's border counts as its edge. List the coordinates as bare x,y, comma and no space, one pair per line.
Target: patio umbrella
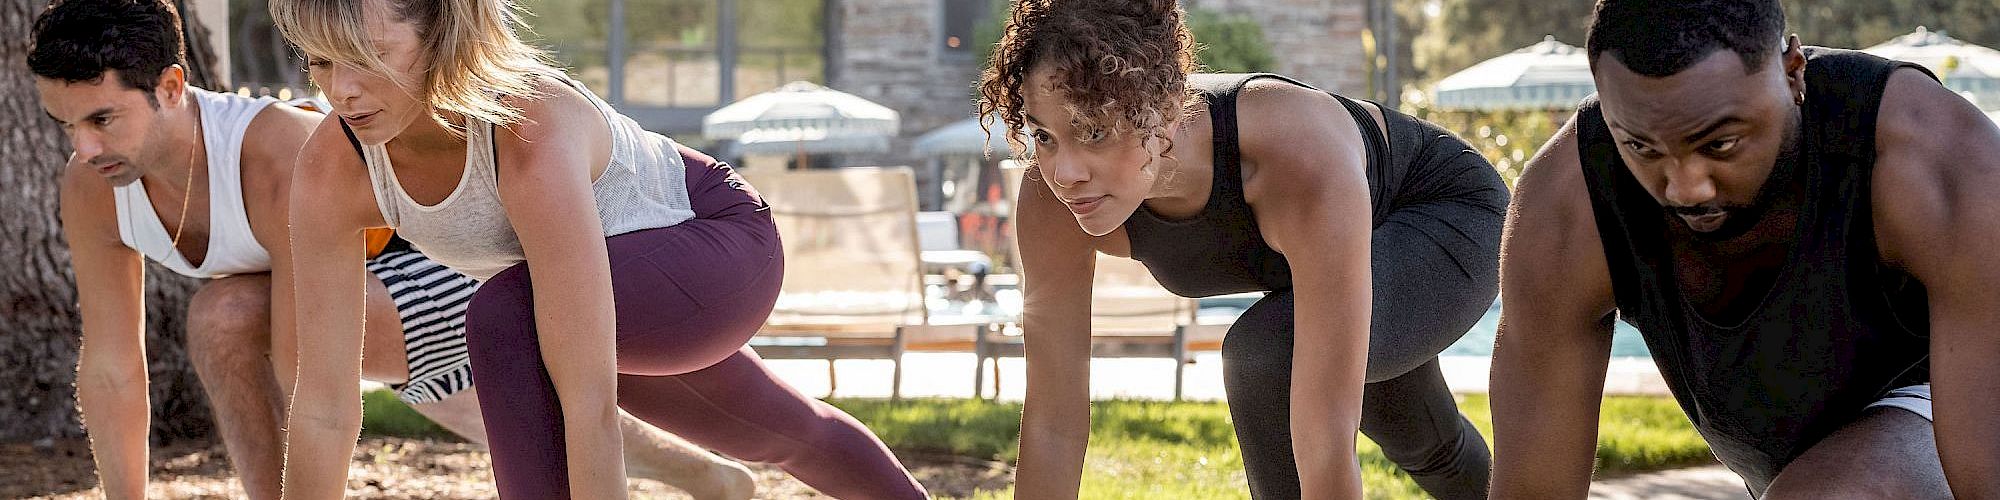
964,137
1965,68
803,118
1544,76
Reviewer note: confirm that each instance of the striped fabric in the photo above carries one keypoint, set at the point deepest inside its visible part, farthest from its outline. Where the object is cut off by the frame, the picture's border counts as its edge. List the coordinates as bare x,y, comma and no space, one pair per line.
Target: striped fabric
431,300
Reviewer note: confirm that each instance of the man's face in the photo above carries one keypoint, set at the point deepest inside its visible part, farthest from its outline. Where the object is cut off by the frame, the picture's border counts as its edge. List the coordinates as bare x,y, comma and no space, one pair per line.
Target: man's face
1703,141
114,128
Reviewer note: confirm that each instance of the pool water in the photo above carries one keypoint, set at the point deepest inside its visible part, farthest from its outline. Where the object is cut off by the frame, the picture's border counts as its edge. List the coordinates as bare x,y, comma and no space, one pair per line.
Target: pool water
1625,340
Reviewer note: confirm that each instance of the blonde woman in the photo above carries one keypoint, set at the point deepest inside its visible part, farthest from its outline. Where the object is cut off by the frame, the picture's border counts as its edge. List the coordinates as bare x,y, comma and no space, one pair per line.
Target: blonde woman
652,264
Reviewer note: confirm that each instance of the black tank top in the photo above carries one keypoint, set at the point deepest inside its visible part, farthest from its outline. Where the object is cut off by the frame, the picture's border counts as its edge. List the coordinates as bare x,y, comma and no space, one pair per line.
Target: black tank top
1836,329
1220,251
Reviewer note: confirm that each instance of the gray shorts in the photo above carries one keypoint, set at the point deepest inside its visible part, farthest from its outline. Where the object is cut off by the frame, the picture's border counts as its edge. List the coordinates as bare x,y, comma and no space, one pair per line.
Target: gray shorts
431,300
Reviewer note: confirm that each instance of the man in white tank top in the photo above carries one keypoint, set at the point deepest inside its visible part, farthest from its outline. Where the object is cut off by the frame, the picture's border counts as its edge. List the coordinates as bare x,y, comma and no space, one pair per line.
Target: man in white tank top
172,173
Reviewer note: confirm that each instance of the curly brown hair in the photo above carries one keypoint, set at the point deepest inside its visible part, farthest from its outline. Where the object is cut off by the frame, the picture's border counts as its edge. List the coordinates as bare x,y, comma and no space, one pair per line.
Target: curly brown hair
1121,67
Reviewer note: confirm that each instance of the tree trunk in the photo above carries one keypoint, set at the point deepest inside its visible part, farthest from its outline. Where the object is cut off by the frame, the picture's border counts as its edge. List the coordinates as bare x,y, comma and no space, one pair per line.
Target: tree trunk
39,326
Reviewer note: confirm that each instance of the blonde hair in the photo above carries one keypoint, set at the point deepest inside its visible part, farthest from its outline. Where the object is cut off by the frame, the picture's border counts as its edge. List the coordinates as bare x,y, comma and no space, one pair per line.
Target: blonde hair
473,57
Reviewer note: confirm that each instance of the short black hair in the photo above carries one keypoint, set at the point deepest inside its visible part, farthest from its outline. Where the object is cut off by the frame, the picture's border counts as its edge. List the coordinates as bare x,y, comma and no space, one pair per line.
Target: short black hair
1659,38
78,40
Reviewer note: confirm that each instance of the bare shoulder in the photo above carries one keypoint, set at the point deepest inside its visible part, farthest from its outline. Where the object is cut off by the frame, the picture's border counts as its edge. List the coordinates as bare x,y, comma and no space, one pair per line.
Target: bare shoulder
558,122
1551,188
328,154
271,146
88,210
554,109
341,192
1551,248
1937,156
1304,163
276,134
1274,116
1297,140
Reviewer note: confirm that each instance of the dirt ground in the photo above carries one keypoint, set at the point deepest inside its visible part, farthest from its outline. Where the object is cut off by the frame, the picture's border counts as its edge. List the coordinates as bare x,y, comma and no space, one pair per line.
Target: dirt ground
396,468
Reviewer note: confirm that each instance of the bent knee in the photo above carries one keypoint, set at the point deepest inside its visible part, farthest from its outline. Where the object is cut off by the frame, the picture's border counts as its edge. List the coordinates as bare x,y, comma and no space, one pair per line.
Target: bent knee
1887,453
232,312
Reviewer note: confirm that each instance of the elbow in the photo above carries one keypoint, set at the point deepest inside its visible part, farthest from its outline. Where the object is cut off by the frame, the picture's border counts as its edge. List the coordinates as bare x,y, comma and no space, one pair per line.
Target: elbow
1057,424
93,379
316,410
592,412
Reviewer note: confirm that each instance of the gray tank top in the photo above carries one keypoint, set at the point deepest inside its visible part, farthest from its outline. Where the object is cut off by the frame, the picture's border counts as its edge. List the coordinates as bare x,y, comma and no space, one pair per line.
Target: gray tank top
644,187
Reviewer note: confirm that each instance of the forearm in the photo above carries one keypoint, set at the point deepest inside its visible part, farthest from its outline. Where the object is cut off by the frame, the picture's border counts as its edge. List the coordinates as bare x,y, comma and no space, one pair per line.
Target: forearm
578,328
1055,417
319,440
116,413
324,418
1329,361
1968,417
1545,396
1334,304
1055,434
1325,415
284,329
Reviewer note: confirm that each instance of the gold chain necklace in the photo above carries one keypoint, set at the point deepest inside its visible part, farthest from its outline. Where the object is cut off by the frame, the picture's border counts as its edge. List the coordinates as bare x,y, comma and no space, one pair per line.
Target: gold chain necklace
187,196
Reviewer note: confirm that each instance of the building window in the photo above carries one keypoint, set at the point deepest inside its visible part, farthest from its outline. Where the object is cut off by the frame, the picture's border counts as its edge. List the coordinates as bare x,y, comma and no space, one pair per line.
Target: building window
958,19
674,50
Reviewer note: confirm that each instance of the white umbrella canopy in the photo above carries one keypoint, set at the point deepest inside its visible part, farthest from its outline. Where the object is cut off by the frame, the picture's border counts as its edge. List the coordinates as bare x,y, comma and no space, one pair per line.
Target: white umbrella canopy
1965,68
1543,76
965,137
803,117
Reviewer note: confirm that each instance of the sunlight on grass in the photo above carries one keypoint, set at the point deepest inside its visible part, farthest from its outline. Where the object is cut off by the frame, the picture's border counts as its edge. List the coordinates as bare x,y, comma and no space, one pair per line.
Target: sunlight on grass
1155,449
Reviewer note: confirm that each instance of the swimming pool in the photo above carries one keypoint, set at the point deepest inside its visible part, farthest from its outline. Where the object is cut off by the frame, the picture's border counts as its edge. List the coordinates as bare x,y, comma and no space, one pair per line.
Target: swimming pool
1625,340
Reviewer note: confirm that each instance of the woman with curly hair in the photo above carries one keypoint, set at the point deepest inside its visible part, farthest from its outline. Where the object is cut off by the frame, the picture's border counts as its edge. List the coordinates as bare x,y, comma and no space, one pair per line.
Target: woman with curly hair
620,269
1375,234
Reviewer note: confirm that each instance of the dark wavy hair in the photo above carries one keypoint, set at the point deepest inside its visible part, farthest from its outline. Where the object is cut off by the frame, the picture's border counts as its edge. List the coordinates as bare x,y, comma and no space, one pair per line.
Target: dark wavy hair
79,40
1121,66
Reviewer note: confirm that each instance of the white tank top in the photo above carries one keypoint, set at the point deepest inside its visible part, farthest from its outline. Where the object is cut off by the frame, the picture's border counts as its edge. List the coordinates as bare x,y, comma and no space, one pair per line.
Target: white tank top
644,187
232,249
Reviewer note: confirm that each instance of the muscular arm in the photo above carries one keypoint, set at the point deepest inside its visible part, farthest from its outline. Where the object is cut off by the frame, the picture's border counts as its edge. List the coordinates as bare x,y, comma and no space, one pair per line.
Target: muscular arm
1057,262
267,167
111,367
1309,192
331,202
1555,332
547,162
1936,216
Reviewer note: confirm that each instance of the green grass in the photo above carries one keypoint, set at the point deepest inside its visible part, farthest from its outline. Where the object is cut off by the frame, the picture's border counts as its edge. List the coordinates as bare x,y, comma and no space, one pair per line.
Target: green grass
1151,449
1146,449
384,415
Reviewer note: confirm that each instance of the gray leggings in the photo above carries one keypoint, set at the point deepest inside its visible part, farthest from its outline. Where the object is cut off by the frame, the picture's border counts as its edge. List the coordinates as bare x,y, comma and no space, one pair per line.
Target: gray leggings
1436,271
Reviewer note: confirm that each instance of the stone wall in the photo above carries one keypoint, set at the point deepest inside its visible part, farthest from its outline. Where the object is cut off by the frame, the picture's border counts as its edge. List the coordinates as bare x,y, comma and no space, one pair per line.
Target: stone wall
1316,41
888,51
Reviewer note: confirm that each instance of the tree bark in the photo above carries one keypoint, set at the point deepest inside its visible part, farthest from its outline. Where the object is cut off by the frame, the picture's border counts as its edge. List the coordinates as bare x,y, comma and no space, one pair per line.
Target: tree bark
39,326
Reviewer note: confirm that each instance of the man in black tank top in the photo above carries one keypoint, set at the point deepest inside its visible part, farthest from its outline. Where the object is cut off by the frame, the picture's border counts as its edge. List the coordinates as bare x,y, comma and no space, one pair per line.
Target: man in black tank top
1799,233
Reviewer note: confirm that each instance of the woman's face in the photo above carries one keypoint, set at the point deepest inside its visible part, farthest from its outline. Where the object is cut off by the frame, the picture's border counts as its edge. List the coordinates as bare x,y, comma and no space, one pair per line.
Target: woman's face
377,107
1102,178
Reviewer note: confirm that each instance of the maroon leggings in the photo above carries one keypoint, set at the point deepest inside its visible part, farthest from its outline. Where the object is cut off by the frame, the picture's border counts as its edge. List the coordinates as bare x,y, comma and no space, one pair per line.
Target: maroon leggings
688,298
